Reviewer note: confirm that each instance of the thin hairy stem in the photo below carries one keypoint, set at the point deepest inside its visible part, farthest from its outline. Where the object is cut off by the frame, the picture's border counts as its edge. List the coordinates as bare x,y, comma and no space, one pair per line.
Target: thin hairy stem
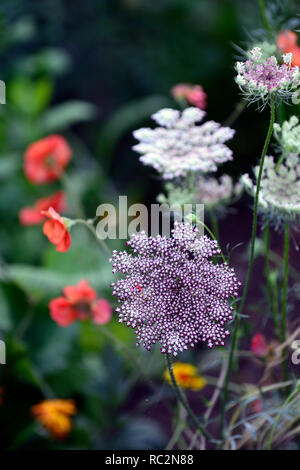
249,273
270,293
254,224
90,226
184,402
284,297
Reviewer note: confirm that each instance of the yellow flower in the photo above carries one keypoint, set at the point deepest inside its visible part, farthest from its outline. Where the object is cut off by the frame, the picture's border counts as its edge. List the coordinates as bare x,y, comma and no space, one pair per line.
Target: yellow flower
55,416
186,376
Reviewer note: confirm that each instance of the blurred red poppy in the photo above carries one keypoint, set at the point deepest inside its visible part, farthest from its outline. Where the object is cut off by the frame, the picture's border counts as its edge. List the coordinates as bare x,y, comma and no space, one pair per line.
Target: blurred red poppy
287,42
193,94
56,231
259,345
46,159
79,303
33,216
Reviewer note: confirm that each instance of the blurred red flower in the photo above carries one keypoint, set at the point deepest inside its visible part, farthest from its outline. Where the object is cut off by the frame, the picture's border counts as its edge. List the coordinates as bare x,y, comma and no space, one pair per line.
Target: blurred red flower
259,345
79,303
56,231
287,42
256,406
46,159
33,216
194,94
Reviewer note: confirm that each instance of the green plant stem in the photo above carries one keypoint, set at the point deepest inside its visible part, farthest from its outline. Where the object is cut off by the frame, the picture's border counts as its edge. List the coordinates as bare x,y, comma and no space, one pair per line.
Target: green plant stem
90,226
184,402
254,223
249,273
272,303
284,297
214,224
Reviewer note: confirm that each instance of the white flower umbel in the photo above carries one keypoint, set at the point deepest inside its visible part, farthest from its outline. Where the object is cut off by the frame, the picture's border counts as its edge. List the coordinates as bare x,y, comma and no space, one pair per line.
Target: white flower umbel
180,146
279,196
288,135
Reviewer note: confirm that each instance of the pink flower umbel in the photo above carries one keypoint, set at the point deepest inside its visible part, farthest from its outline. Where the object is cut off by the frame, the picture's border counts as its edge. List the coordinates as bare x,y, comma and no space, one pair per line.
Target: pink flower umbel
259,80
172,292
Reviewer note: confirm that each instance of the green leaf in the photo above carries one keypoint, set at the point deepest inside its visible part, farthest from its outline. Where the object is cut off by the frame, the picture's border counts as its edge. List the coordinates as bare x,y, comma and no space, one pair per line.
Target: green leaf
62,116
30,97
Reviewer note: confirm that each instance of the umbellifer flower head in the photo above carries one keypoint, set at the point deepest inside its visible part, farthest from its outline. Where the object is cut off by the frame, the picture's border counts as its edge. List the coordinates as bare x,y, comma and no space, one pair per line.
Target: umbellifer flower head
260,80
172,292
179,146
213,192
288,135
279,196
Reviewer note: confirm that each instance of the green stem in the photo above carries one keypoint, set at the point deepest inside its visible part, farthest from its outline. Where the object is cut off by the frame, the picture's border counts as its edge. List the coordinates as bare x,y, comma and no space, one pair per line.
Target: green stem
90,226
250,267
254,224
284,297
279,161
214,224
272,302
184,402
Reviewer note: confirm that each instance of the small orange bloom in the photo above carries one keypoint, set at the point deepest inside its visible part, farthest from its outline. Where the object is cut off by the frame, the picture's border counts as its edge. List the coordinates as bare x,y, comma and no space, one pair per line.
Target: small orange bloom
46,159
79,303
56,231
287,42
186,375
55,416
33,216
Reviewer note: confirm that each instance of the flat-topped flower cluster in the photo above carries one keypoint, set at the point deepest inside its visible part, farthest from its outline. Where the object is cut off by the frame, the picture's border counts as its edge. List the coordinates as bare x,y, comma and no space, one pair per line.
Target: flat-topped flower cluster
258,80
179,146
172,292
279,196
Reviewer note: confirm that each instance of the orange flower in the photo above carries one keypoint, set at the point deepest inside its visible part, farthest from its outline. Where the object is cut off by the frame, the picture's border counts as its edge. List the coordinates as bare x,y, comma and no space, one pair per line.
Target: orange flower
79,303
194,94
287,42
56,231
55,416
33,216
186,375
46,159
